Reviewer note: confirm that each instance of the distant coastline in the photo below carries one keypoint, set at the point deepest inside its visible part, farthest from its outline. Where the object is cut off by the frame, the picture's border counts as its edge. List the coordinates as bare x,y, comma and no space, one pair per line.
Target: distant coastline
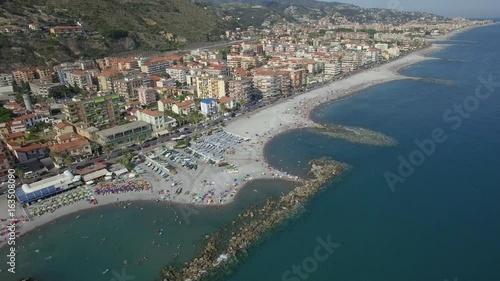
266,123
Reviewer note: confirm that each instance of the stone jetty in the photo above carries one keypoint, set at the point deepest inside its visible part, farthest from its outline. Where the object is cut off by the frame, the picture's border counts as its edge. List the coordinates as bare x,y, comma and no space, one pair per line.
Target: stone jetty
229,245
356,135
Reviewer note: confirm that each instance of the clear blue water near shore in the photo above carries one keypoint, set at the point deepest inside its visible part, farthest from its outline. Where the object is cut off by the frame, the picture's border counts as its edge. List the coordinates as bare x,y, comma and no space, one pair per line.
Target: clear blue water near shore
440,223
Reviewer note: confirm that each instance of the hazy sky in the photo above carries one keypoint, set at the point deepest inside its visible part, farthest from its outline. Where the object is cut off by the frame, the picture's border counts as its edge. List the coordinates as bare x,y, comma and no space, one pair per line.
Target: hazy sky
458,8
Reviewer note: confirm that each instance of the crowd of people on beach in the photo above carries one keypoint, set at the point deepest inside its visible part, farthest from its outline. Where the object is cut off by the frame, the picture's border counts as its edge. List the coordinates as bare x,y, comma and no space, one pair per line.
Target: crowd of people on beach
52,204
122,186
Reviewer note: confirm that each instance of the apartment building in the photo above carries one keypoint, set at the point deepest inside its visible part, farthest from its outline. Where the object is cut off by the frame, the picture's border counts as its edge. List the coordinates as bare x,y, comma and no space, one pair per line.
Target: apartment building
212,87
217,70
27,74
106,79
146,95
42,87
96,112
333,69
155,66
79,78
127,87
157,119
63,70
267,83
241,89
178,73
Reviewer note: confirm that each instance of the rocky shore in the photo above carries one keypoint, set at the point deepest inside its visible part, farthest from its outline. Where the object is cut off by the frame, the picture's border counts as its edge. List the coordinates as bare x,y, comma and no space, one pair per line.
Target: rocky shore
229,245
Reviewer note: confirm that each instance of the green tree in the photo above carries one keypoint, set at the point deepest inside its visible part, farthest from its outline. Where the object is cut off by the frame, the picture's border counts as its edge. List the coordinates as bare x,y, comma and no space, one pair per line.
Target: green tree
108,148
5,115
67,160
20,173
169,129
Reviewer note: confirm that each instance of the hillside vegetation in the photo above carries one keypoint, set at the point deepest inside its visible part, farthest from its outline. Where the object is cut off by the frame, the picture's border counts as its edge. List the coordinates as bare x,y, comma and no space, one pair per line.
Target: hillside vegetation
113,26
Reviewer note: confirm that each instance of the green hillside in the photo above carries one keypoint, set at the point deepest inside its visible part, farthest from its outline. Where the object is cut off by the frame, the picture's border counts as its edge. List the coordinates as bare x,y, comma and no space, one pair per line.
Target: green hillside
113,26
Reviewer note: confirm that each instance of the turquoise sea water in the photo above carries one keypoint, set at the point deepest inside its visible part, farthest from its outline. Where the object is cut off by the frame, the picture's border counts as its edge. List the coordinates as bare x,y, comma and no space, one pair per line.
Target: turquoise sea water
75,249
440,223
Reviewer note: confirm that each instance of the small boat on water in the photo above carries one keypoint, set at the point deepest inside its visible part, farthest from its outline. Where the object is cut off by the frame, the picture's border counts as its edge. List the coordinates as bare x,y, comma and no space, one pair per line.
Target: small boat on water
77,217
105,271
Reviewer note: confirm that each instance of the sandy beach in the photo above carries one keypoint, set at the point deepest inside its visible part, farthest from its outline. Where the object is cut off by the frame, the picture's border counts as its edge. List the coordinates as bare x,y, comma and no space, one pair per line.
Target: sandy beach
259,127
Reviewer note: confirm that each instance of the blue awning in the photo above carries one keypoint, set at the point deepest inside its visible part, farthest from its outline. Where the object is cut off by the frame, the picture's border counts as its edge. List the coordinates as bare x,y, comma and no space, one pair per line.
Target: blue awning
25,198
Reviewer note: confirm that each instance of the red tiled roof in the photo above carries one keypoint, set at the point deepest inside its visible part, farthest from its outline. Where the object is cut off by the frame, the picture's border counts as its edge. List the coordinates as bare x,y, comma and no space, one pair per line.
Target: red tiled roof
14,143
151,112
165,101
67,136
61,125
75,144
31,147
24,117
15,135
225,100
155,78
185,104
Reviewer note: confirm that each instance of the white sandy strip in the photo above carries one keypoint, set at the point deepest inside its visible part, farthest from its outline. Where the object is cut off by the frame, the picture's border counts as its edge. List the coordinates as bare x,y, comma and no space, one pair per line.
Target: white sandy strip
266,122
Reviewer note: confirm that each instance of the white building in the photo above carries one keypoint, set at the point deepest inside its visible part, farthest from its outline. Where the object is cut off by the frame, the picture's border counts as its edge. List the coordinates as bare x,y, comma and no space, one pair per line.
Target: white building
209,106
178,73
157,119
29,193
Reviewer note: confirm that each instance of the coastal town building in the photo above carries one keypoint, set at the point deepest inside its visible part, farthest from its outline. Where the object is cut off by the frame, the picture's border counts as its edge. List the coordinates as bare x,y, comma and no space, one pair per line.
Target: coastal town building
33,152
124,134
96,112
212,86
79,78
183,108
155,66
267,84
227,103
42,87
157,119
178,73
27,74
63,128
29,193
128,87
29,120
209,106
241,89
77,147
146,95
165,104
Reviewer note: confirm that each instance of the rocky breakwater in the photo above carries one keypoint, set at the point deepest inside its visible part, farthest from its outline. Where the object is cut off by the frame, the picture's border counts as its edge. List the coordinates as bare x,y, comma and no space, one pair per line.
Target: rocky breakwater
229,245
356,135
